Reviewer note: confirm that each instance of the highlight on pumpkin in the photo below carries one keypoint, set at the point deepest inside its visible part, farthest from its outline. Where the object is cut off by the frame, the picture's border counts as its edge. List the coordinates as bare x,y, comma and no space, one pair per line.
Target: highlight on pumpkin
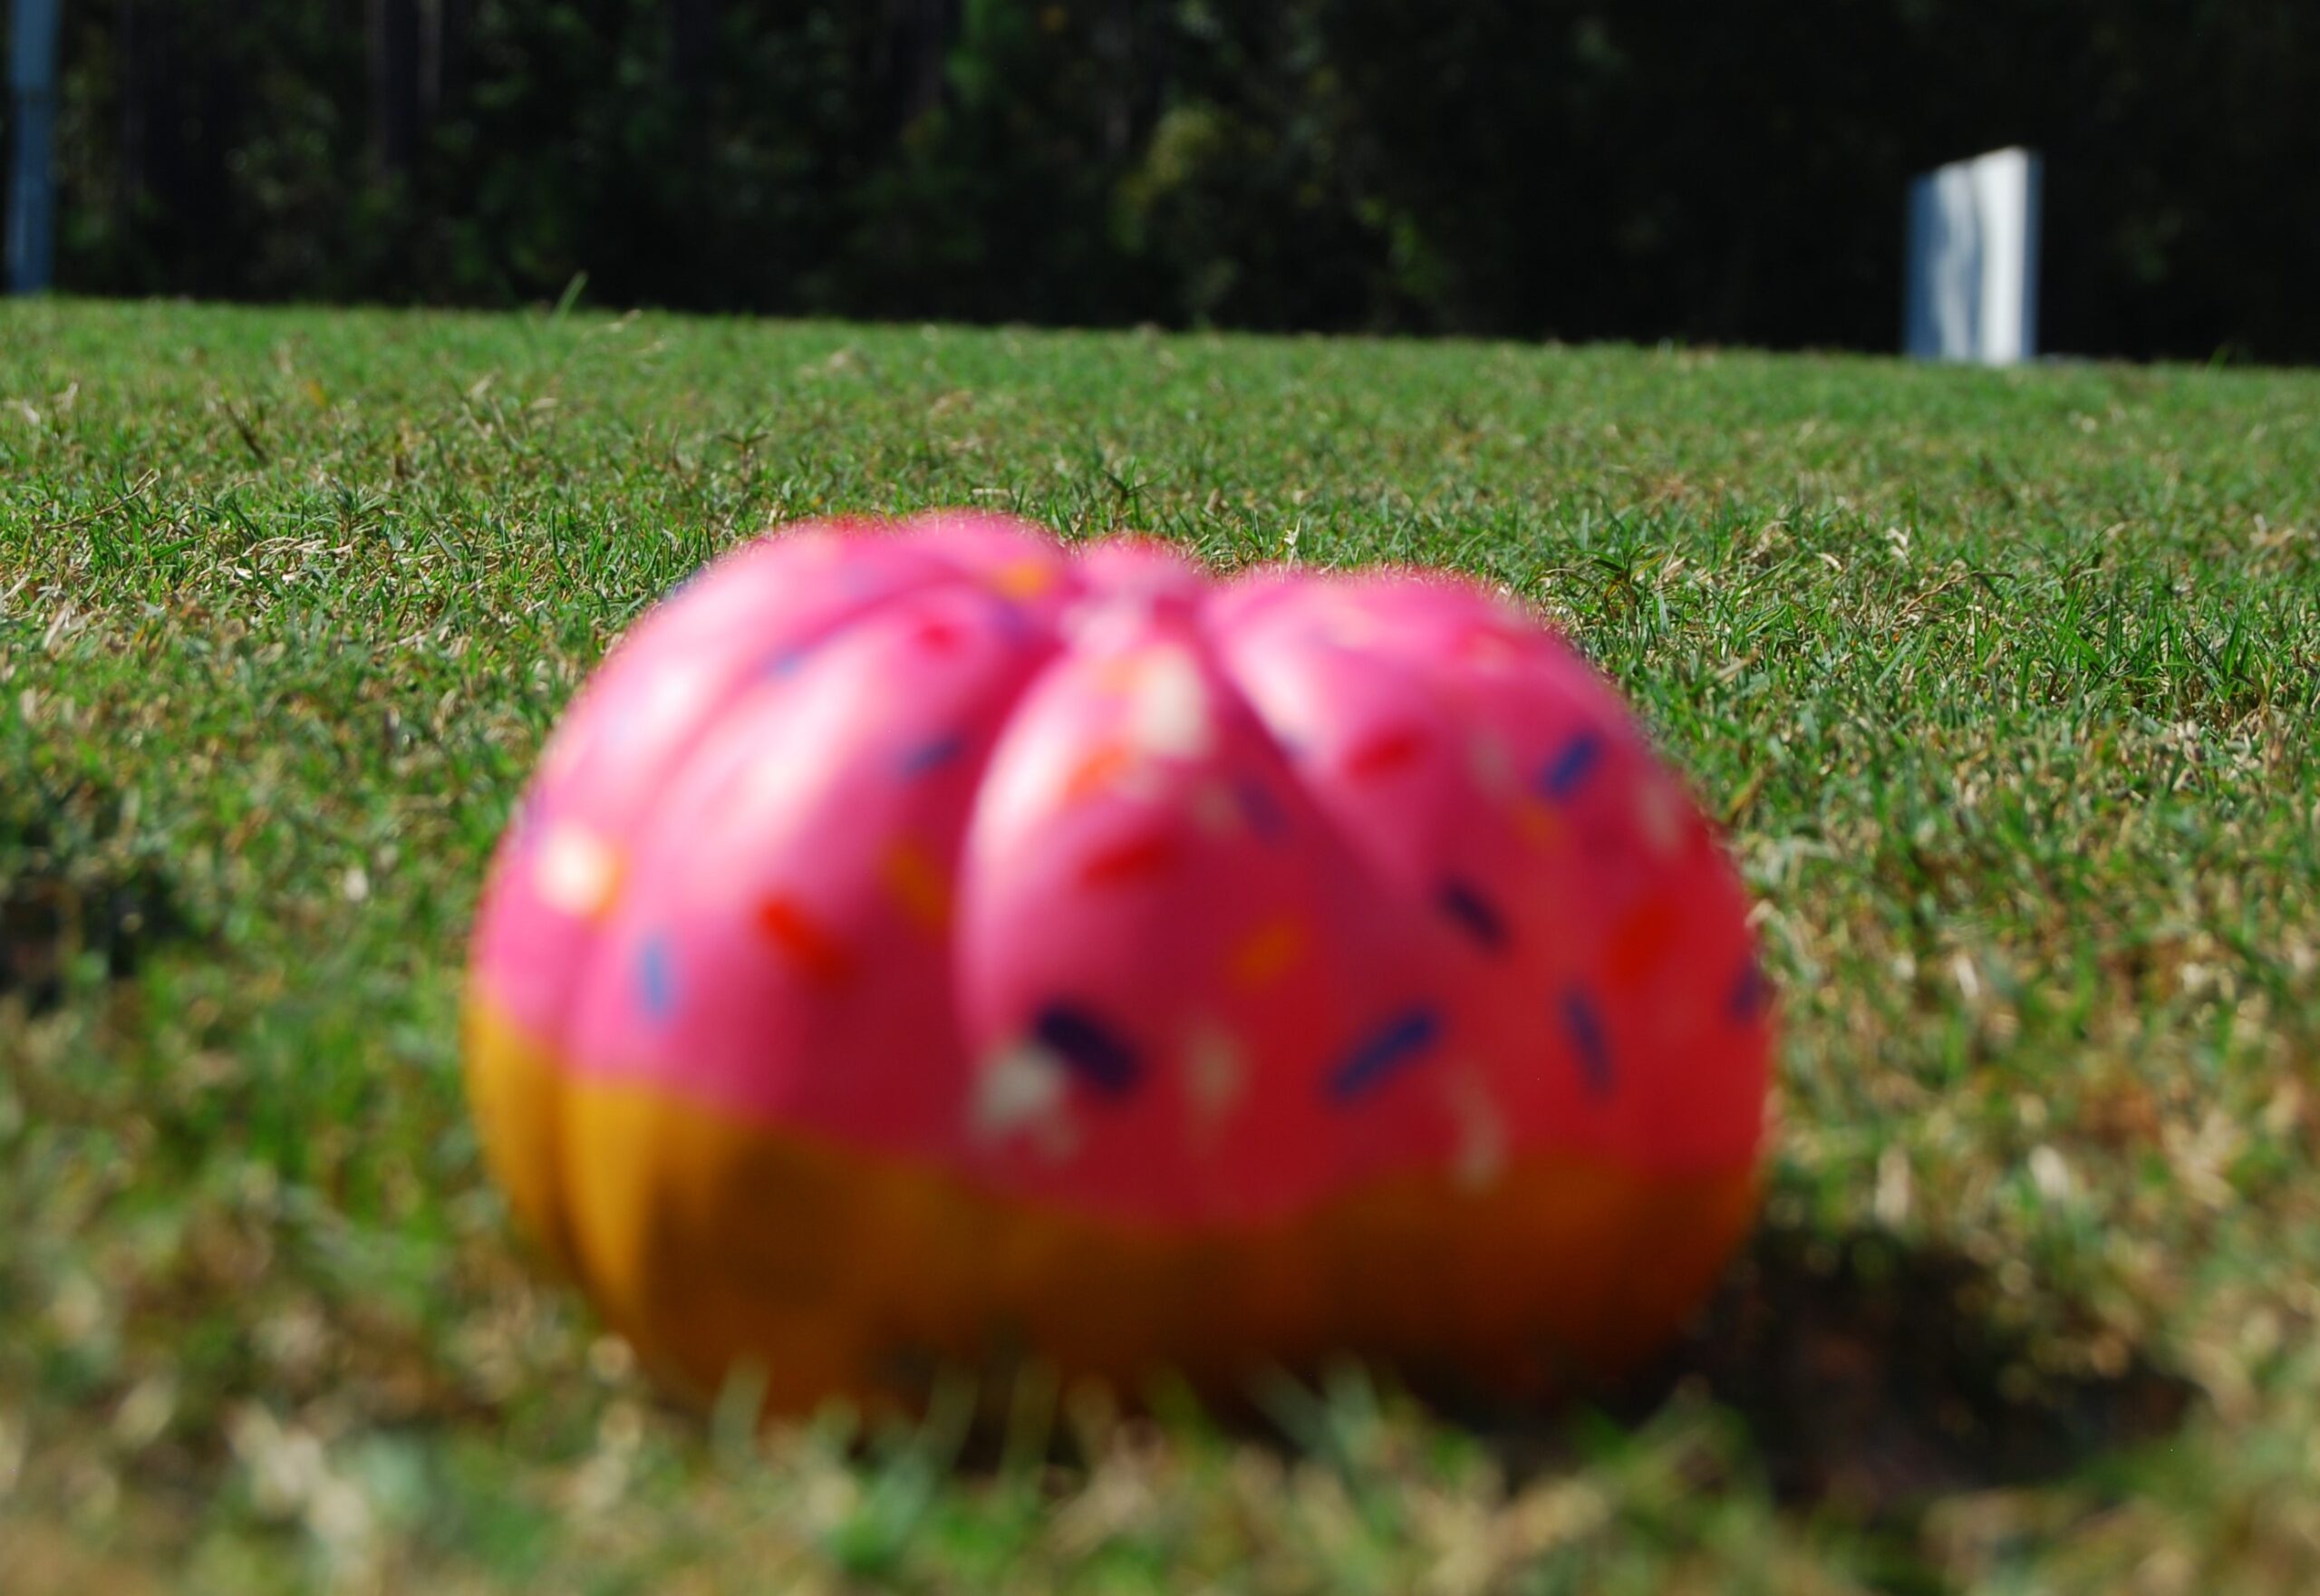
929,944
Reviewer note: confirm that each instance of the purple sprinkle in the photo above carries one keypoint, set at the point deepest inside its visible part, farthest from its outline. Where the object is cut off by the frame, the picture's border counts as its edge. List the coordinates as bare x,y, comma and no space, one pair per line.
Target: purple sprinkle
1014,626
1569,769
933,754
1401,1041
1093,1051
1263,810
1586,1029
1751,993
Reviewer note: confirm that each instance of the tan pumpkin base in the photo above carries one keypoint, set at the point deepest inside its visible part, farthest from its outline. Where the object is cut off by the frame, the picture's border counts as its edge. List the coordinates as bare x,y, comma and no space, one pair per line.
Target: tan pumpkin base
709,1242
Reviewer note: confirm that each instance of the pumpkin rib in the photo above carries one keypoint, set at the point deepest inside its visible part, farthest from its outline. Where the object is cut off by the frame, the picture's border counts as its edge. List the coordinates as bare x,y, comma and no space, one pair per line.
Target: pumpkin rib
1091,1053
534,1168
562,1223
1455,683
1405,1033
744,680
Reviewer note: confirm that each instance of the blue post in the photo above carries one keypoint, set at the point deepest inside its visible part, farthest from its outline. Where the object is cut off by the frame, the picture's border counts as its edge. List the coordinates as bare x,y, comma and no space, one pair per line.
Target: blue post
32,184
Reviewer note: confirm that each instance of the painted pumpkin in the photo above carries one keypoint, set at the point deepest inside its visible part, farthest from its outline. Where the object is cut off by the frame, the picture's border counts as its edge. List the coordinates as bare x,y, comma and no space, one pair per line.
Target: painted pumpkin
926,944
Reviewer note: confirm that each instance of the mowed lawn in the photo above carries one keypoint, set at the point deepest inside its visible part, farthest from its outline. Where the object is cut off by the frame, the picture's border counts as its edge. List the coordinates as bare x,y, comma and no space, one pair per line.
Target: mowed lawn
2003,684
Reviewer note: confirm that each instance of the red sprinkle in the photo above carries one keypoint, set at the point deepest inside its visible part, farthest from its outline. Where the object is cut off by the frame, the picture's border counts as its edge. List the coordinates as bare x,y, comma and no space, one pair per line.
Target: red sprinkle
818,955
1126,861
1388,751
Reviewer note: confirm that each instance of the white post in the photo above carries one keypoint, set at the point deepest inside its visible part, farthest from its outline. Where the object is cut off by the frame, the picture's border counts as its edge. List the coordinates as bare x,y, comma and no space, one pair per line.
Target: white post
31,181
1973,260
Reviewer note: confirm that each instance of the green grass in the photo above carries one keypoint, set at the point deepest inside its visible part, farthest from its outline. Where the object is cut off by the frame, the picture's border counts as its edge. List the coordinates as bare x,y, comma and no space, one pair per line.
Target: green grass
2006,684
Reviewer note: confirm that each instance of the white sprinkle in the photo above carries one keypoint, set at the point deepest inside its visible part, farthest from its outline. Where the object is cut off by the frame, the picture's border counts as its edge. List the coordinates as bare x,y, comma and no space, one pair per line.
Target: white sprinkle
1024,1088
1171,708
1491,764
575,871
1661,812
1481,1131
1214,1071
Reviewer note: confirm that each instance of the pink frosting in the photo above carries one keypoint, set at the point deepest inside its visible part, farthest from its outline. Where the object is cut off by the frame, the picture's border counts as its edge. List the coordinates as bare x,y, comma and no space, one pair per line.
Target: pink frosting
1105,884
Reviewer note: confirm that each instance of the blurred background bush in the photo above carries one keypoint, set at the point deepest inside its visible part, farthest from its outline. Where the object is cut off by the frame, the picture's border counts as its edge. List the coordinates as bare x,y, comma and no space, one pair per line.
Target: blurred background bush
1574,169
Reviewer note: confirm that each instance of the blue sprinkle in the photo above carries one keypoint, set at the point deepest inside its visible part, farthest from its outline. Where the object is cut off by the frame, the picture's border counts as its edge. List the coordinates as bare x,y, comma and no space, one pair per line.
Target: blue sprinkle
656,977
1094,1051
1265,815
1475,914
784,662
1400,1041
1586,1027
1751,993
933,754
1570,769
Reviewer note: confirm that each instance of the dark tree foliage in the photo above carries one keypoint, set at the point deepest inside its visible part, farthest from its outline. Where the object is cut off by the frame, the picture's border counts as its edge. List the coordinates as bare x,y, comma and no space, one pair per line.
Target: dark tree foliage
1541,168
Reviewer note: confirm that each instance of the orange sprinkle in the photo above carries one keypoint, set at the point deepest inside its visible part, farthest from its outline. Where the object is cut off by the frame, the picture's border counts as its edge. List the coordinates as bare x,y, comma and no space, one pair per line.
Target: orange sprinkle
1537,821
1641,942
918,885
1266,953
1021,579
818,955
1095,772
1124,861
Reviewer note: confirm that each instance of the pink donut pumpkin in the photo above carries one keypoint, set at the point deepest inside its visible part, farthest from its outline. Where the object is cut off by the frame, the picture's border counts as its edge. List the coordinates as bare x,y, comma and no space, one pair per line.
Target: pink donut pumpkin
924,943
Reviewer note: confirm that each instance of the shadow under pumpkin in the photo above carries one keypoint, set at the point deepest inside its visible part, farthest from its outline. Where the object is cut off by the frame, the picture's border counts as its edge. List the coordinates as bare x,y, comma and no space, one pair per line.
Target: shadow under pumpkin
1871,1376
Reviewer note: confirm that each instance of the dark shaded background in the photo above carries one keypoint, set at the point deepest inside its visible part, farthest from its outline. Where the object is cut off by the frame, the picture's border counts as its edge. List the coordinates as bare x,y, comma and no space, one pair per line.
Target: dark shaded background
1642,169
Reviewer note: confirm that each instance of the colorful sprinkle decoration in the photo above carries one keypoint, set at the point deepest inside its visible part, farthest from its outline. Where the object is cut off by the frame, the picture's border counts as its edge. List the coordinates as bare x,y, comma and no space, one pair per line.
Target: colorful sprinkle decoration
656,978
1568,770
1094,1053
1474,913
820,956
1585,1027
1398,1043
924,758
